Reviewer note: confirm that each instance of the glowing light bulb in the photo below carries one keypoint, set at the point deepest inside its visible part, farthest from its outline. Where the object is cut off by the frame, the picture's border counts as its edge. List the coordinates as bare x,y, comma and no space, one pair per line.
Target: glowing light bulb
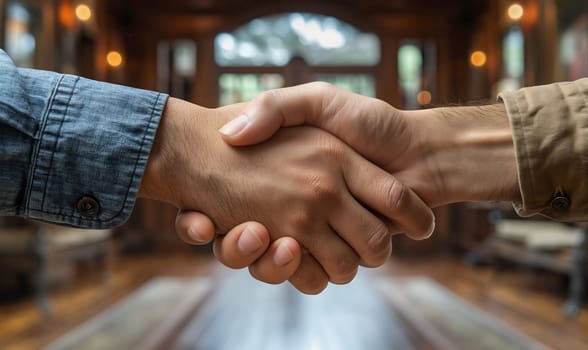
83,12
478,58
515,12
114,59
424,97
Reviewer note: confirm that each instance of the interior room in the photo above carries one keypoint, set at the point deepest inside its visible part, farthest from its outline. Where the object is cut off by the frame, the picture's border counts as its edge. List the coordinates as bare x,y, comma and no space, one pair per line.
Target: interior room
487,278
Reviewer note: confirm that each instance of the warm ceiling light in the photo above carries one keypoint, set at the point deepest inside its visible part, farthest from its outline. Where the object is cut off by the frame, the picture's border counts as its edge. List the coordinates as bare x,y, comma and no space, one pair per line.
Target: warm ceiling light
515,11
83,12
478,58
114,59
424,97
66,15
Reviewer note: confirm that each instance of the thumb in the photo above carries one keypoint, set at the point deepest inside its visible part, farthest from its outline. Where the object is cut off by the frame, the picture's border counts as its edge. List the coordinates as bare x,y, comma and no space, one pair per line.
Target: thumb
250,128
270,110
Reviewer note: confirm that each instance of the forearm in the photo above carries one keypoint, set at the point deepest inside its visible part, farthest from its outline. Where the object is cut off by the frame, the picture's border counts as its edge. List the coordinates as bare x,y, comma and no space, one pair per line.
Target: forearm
165,158
531,149
471,151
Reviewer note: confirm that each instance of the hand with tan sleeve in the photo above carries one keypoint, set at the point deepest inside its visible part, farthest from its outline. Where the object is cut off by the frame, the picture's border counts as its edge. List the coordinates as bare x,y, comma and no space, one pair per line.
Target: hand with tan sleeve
445,155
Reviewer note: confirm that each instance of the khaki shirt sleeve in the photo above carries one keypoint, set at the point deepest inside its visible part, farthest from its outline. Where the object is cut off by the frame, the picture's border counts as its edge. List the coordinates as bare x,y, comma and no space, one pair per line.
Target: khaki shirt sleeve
550,133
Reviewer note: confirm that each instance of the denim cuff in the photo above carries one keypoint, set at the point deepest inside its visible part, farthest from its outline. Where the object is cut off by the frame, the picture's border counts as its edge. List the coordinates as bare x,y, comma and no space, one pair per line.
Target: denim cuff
91,149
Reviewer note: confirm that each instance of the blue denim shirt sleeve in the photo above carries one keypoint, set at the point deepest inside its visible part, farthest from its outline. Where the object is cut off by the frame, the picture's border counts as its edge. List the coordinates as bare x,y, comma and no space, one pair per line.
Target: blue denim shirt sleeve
72,150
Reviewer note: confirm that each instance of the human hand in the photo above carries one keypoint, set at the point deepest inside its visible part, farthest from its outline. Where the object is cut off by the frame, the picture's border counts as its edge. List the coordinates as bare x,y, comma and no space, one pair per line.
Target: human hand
445,155
241,248
246,245
301,184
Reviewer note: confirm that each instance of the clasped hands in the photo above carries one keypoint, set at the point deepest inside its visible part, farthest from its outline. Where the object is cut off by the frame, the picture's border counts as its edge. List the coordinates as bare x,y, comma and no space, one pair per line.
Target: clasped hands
327,198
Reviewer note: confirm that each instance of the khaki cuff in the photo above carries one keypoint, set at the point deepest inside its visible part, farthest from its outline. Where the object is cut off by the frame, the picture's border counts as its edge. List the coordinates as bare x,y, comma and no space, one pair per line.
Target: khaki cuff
550,133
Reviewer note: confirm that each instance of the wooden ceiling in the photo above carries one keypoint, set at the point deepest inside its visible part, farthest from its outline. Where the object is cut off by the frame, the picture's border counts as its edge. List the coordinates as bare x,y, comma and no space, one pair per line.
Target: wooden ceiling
454,8
421,15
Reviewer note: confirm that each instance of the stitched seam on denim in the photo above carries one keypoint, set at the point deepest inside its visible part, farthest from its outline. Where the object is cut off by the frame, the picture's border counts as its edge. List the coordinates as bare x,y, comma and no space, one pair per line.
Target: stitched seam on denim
105,221
71,93
37,147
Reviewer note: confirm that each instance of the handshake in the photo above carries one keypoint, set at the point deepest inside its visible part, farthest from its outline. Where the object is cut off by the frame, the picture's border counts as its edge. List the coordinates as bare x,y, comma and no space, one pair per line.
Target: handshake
328,176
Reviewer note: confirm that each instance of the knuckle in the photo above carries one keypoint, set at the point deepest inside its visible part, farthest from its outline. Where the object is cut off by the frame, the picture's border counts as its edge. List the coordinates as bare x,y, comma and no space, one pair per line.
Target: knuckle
329,147
396,194
321,188
301,221
379,245
321,86
266,99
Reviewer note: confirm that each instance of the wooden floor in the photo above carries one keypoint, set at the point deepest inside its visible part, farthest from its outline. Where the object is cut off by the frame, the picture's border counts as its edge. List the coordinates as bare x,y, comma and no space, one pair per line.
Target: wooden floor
530,302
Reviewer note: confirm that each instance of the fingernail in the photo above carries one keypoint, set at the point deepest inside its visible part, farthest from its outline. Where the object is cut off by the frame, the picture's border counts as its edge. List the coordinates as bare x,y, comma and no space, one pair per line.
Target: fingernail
234,126
283,255
431,229
249,241
193,233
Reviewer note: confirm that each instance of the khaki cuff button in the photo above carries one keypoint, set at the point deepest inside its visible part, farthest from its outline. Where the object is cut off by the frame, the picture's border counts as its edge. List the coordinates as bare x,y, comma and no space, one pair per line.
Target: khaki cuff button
560,203
88,207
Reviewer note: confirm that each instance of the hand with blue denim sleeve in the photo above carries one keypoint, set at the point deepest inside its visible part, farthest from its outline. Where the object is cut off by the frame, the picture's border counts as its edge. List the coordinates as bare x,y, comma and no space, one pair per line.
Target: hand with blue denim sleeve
73,152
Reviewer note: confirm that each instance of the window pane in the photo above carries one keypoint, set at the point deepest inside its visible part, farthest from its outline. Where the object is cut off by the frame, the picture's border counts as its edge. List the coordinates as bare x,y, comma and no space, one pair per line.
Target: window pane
362,84
275,40
236,88
513,60
417,70
574,49
19,38
176,67
184,58
410,70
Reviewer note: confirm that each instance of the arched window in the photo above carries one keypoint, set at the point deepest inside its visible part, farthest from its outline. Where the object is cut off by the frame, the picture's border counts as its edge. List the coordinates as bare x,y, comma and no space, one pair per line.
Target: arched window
275,40
286,49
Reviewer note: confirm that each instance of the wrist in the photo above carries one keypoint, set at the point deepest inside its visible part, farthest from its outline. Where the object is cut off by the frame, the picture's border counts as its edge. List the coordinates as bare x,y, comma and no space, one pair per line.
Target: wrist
474,152
153,185
185,159
179,147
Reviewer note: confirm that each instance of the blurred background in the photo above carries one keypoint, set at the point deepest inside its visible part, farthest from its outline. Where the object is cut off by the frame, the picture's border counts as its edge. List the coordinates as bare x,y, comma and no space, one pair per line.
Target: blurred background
486,279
